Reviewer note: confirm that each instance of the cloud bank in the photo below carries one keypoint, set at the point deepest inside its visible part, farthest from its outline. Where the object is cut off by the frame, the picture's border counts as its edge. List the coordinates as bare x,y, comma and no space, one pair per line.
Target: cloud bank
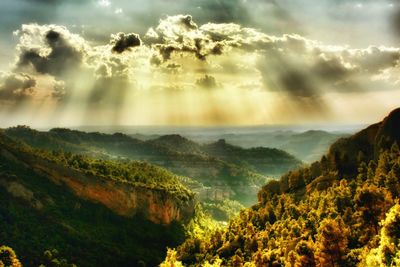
179,59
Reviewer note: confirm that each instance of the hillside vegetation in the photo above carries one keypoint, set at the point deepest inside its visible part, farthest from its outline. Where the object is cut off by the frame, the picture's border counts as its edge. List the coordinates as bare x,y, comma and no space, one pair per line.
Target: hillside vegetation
341,211
127,212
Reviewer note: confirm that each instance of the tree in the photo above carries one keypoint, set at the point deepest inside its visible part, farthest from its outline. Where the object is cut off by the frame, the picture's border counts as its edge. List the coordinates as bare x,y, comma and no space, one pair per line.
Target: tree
388,251
371,170
53,259
392,179
8,258
171,260
304,254
383,168
237,259
296,180
372,203
331,243
362,173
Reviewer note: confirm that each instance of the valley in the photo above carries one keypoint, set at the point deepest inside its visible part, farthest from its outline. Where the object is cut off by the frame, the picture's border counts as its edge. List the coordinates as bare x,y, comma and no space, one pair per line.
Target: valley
118,179
191,191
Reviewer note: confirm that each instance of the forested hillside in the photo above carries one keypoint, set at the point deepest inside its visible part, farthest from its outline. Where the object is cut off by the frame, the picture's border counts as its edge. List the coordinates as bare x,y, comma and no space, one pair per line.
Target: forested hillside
341,211
126,211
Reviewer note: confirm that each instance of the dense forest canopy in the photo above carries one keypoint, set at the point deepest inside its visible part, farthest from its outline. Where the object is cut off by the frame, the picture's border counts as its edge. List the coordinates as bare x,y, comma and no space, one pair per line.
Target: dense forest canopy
340,211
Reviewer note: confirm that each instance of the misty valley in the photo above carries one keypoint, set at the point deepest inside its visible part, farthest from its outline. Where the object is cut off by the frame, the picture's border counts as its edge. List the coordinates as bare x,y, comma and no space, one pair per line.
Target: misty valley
109,191
68,194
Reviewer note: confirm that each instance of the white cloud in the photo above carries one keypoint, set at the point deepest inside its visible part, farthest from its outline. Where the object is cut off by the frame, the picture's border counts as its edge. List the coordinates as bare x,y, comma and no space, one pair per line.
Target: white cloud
178,53
104,3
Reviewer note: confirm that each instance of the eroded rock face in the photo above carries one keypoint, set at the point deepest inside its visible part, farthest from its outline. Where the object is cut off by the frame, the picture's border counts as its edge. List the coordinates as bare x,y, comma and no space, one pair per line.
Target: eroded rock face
124,199
156,205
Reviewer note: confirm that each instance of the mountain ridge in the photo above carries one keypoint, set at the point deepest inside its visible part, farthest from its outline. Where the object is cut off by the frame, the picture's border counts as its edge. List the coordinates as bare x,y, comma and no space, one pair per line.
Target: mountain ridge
334,212
174,152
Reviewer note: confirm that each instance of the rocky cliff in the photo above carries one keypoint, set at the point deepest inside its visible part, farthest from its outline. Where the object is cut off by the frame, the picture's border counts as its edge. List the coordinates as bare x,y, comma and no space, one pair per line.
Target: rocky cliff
125,199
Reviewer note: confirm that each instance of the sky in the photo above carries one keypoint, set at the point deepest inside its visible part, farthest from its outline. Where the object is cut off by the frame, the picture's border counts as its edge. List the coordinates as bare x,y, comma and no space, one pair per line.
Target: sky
198,62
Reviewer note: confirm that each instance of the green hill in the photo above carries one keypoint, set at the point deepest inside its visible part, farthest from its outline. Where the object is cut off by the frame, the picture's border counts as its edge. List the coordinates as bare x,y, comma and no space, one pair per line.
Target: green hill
178,143
268,161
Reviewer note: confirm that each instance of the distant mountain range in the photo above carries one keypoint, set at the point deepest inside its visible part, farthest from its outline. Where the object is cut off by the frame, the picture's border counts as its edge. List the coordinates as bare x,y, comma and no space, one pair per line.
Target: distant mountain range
307,146
306,142
232,169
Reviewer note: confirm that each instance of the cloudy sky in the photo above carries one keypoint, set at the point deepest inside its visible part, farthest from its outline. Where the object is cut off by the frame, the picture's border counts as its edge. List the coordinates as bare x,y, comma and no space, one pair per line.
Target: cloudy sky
198,62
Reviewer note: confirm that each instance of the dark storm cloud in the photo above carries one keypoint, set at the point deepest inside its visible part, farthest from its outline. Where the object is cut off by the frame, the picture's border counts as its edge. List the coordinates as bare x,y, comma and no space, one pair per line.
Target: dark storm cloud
124,42
167,50
172,68
196,48
64,54
17,86
53,51
187,22
280,74
297,83
207,82
330,69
